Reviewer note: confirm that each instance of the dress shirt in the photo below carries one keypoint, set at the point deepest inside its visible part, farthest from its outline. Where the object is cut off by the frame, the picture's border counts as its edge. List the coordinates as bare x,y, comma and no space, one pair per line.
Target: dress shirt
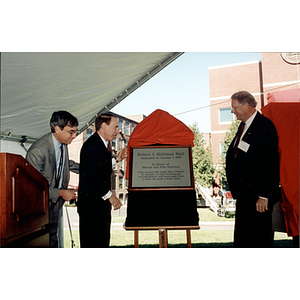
109,193
57,146
248,123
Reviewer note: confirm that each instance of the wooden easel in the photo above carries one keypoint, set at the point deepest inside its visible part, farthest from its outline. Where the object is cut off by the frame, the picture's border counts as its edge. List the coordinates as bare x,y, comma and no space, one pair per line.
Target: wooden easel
163,234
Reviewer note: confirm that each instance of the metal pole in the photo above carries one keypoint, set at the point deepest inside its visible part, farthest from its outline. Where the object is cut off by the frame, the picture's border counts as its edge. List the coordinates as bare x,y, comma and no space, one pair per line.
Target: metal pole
60,229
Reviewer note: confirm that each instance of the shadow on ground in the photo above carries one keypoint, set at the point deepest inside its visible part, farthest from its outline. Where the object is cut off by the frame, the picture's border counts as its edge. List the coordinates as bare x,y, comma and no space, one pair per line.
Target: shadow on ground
277,244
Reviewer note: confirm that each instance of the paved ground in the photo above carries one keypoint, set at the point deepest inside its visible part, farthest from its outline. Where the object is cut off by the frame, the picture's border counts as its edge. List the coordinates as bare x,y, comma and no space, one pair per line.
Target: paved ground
74,220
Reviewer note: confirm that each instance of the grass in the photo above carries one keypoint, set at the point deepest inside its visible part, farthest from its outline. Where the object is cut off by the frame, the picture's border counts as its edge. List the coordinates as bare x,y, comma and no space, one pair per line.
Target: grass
177,238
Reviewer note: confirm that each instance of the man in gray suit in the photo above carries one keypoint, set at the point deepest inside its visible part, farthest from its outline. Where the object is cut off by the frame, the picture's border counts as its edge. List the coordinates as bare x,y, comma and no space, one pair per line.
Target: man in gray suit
49,155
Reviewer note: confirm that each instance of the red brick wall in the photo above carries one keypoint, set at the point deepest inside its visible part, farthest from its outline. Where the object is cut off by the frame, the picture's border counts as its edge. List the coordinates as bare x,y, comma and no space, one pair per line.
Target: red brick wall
272,74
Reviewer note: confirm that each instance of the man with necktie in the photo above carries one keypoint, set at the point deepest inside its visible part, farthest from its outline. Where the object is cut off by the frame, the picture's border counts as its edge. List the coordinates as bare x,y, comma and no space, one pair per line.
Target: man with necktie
94,193
252,169
49,155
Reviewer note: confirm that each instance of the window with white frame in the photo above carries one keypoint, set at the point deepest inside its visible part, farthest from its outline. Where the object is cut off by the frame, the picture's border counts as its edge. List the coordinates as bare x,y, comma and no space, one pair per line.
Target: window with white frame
127,128
225,115
89,132
121,125
120,183
132,127
222,149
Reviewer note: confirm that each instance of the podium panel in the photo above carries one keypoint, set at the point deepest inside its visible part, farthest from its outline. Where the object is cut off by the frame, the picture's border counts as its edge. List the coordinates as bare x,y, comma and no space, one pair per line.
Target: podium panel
24,209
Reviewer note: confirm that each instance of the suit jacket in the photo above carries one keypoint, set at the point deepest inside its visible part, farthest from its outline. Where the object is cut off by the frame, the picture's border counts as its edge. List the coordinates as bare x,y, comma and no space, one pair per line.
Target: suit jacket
255,172
42,156
94,176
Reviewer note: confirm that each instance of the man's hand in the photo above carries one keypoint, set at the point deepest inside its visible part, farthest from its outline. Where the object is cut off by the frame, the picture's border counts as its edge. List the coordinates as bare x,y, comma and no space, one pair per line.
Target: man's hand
262,205
115,202
122,154
68,195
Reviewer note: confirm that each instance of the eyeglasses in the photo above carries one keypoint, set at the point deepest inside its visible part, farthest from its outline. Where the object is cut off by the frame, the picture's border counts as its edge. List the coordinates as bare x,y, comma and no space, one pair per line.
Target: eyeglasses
71,132
234,108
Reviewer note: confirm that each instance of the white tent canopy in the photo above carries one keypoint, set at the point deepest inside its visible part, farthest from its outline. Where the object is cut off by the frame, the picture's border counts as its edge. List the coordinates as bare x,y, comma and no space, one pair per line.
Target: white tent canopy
34,85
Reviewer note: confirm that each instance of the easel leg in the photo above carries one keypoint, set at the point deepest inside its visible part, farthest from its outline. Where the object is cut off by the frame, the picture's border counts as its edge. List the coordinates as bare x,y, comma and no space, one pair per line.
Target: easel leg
136,239
188,238
163,238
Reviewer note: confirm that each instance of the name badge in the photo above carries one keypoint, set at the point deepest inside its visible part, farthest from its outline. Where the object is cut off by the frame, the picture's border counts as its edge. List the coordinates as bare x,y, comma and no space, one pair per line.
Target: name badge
244,146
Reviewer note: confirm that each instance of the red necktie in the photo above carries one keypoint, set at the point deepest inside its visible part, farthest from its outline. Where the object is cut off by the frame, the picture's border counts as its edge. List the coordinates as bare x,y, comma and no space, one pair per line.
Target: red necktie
238,139
108,147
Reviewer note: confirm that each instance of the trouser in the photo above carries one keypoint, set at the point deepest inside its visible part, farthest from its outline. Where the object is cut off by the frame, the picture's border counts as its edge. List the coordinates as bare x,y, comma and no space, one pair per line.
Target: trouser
296,241
94,227
252,228
53,221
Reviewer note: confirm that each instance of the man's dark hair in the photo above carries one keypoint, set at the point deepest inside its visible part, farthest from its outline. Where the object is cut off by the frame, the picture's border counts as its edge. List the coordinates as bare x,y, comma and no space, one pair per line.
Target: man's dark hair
243,97
62,118
103,118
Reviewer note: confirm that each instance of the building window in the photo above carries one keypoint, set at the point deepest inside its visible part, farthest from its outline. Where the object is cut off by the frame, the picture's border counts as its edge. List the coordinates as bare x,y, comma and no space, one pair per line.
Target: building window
132,127
113,144
121,143
127,128
222,149
121,125
89,132
120,183
225,115
113,183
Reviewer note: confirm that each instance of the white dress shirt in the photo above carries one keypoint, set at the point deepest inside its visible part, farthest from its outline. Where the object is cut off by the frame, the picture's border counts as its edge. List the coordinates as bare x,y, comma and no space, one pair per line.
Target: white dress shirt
248,123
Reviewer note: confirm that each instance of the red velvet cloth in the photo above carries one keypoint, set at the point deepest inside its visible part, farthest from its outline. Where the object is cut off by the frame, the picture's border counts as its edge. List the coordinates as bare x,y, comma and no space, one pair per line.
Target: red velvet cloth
159,128
283,109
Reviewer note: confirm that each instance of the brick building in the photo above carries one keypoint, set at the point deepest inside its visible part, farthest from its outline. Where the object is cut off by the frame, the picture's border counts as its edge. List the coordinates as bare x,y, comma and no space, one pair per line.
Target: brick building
119,182
274,72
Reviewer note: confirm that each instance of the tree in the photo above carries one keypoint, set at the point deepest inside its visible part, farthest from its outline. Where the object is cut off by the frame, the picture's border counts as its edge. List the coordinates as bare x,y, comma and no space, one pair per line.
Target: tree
202,158
229,136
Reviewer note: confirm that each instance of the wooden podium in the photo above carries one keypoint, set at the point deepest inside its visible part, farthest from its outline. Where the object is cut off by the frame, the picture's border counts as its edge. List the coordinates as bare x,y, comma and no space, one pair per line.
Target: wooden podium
24,208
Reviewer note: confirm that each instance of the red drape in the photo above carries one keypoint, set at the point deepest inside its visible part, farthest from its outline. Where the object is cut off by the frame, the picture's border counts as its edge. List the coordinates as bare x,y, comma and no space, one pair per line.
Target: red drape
159,128
283,109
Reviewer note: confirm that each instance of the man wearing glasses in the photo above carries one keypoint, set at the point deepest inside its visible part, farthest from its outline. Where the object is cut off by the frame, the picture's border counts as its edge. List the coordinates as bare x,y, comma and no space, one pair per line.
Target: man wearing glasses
49,155
252,169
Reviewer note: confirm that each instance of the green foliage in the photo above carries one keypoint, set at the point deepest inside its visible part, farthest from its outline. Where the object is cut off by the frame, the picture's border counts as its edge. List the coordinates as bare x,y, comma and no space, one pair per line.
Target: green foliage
202,159
229,136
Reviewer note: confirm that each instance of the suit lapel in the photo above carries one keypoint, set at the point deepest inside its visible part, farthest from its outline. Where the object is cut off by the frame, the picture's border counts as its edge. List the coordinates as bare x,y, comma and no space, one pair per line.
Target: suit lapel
101,143
51,152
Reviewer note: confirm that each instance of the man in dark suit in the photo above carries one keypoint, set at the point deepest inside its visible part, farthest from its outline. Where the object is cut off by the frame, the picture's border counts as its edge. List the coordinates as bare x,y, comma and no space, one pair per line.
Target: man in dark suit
45,156
252,169
94,194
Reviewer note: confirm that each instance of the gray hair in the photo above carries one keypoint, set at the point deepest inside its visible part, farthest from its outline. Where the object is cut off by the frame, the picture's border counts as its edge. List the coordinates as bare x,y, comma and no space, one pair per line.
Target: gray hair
243,97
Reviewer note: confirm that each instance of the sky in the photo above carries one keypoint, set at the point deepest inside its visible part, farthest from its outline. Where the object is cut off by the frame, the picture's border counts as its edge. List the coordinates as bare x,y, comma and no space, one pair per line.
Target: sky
182,88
